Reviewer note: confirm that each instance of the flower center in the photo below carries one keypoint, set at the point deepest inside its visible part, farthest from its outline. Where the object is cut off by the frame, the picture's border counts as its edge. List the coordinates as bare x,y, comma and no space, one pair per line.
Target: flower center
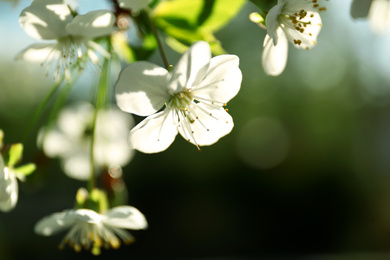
181,102
191,109
298,21
67,52
93,236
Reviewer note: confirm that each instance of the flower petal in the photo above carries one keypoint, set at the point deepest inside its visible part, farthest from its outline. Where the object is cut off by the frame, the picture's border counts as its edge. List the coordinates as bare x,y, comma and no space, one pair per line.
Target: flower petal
39,52
92,24
86,215
125,217
191,68
295,6
77,165
111,133
76,119
8,188
208,127
274,58
46,19
308,36
134,5
141,88
155,133
271,21
55,223
222,81
379,15
54,143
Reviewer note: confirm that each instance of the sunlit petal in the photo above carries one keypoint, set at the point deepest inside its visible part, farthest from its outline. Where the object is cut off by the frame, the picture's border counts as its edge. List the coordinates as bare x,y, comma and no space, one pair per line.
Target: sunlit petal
222,80
155,133
8,188
191,68
126,217
45,20
92,24
141,88
208,127
274,58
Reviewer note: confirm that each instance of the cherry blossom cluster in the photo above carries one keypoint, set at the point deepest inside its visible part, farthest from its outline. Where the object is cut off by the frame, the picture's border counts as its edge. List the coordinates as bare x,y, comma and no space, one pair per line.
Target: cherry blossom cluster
187,98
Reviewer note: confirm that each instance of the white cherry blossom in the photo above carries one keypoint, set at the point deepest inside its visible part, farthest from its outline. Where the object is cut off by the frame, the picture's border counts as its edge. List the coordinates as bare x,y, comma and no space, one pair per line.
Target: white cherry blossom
8,188
70,139
295,21
70,36
194,94
90,230
377,12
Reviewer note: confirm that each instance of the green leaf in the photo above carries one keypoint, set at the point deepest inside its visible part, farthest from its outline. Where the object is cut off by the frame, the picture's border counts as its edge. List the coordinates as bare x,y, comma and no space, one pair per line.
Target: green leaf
15,154
149,45
25,170
206,11
122,48
264,5
189,21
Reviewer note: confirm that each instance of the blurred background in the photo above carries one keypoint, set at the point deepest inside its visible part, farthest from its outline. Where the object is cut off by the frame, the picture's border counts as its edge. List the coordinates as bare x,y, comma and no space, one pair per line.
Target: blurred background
305,174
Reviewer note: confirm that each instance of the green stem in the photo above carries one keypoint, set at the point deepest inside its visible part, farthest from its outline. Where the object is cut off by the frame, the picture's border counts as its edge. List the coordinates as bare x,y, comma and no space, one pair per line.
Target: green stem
160,47
102,100
63,96
41,108
59,103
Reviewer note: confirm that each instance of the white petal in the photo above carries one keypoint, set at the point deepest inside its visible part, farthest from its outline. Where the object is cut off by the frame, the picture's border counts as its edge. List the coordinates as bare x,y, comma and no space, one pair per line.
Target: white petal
208,128
295,6
45,19
133,4
55,143
2,176
39,52
125,217
141,88
155,133
92,24
74,120
271,21
8,189
191,68
86,215
307,38
77,165
111,133
55,223
274,58
60,221
379,15
222,81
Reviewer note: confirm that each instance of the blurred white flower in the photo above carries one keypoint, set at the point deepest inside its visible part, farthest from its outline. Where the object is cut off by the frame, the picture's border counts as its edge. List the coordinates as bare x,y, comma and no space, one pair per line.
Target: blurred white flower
8,188
90,230
72,36
134,5
377,11
70,139
194,95
297,21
